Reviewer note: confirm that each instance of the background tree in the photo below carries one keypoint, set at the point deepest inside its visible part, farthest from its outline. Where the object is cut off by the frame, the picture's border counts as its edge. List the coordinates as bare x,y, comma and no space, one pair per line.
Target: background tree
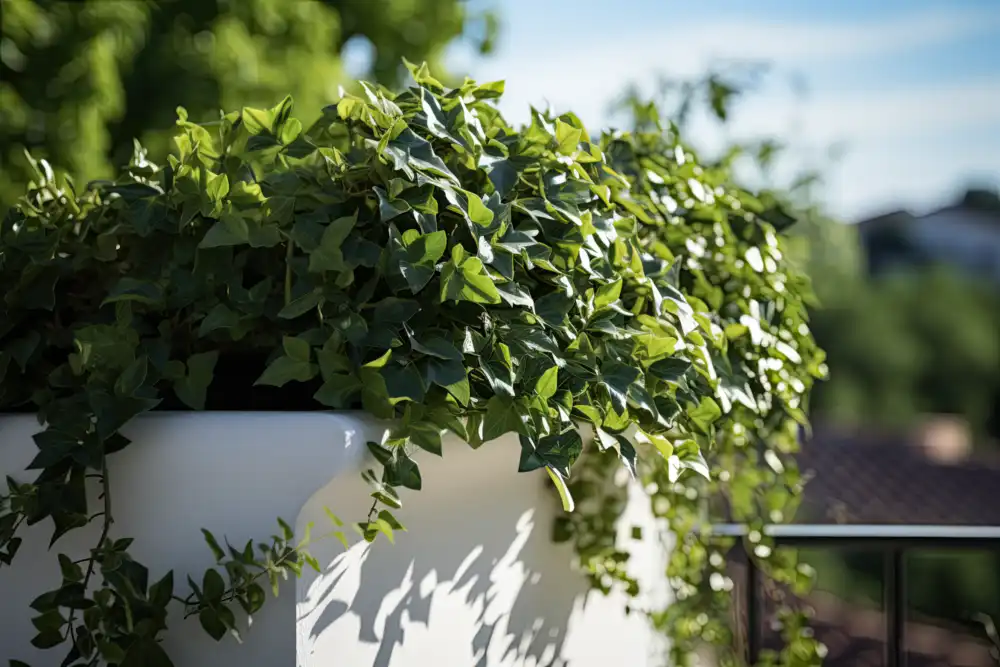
80,80
910,344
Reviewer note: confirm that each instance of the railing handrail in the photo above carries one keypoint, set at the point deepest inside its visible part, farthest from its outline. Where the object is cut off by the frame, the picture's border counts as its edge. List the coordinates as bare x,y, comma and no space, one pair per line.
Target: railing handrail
826,532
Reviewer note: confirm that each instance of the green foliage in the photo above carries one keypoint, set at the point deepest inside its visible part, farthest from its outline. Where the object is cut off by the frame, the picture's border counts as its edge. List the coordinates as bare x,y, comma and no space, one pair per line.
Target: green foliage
410,254
729,260
766,361
80,80
213,599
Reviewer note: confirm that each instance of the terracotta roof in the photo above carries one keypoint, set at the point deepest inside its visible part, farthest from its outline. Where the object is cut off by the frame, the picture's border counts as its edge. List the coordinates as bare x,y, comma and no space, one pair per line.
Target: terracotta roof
892,481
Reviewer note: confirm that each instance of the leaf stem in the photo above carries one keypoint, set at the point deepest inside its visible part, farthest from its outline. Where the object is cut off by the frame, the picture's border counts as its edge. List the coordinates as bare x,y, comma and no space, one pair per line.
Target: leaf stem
288,271
105,529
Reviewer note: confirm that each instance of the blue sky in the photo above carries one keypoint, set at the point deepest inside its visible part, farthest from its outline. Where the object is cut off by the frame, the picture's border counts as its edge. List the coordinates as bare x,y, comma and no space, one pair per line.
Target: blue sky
909,88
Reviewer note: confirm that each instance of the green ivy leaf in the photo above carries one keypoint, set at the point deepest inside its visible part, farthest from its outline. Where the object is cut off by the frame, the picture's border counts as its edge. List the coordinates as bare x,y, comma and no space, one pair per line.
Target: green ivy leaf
230,230
607,294
337,390
388,207
417,262
502,416
403,383
132,289
403,471
212,623
427,436
132,377
192,388
567,138
302,305
465,279
147,652
616,378
547,383
161,592
329,255
71,571
478,212
220,317
212,586
285,369
705,413
435,346
671,369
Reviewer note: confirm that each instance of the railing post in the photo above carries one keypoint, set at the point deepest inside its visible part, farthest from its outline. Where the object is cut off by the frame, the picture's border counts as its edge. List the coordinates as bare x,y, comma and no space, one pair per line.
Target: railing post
754,630
894,601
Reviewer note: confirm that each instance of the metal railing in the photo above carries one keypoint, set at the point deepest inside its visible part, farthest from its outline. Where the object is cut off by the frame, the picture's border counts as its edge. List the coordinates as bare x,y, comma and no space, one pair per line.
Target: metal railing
895,542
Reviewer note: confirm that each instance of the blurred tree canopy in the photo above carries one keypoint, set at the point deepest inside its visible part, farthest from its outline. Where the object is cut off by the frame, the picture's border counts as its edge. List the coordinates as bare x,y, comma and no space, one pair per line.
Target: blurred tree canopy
80,80
919,342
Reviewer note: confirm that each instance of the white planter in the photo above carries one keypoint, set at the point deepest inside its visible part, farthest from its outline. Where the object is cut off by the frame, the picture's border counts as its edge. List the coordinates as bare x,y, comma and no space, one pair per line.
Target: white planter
475,581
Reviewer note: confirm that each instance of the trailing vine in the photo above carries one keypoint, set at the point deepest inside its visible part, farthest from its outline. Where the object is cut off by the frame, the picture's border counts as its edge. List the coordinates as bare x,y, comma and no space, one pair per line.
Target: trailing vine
414,255
730,256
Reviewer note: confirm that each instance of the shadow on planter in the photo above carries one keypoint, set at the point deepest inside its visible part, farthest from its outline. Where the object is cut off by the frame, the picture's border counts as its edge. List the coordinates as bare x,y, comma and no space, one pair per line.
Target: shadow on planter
476,579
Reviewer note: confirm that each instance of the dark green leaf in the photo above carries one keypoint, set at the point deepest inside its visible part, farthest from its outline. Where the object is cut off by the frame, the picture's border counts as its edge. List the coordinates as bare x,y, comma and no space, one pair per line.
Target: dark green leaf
213,586
132,289
132,377
329,255
403,383
211,623
231,230
220,317
193,387
301,305
285,369
502,416
403,471
427,436
671,369
616,378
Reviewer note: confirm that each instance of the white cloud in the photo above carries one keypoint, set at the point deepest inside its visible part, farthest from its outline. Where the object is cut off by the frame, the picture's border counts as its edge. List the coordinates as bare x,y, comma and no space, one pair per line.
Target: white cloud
855,116
923,176
584,71
583,68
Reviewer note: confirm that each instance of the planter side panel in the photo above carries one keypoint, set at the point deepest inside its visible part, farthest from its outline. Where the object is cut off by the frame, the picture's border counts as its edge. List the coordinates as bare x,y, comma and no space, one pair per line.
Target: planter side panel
476,579
232,473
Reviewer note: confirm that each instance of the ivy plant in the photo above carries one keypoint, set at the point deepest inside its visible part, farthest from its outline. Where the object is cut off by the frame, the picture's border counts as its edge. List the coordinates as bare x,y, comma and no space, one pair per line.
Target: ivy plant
410,254
729,254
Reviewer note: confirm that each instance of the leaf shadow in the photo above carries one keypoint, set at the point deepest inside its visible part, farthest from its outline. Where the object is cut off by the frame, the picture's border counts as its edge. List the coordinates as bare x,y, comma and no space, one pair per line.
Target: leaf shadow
480,583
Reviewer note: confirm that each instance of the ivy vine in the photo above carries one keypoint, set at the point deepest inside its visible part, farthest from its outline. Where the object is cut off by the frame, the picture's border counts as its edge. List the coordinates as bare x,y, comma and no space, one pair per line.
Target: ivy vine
414,255
727,246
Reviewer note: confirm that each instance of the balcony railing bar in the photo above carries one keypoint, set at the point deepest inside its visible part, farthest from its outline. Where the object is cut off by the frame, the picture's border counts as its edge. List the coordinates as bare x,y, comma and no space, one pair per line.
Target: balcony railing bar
892,540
